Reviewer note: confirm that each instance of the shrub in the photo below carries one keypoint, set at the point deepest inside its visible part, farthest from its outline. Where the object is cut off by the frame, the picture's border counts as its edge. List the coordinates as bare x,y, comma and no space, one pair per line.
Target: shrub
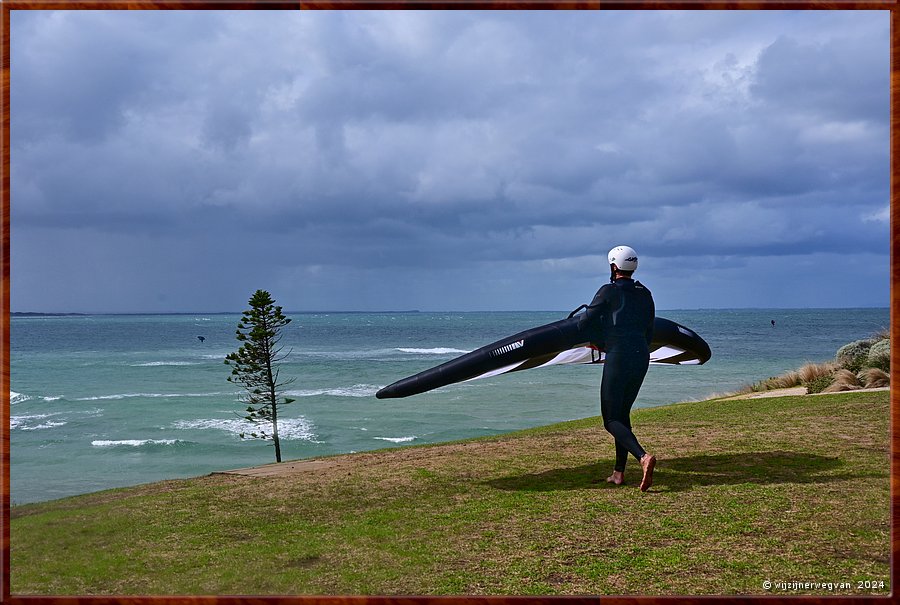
819,383
880,356
854,356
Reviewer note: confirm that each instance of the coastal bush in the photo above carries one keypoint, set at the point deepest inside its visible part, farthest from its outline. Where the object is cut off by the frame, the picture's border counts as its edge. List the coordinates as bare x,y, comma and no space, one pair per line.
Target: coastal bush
880,355
873,378
853,356
819,383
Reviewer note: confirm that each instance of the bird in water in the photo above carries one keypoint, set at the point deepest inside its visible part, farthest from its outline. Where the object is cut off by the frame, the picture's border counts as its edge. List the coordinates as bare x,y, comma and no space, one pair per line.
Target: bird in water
201,338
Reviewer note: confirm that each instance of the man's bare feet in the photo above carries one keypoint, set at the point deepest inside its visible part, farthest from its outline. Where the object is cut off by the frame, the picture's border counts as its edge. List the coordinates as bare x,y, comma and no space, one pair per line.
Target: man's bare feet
648,462
616,478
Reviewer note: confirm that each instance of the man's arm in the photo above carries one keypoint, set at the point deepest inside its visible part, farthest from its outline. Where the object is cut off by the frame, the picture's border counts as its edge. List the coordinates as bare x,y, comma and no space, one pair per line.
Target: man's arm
594,311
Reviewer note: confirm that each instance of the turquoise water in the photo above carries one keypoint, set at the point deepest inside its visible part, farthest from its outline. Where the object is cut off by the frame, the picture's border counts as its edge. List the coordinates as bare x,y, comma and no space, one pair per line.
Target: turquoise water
108,401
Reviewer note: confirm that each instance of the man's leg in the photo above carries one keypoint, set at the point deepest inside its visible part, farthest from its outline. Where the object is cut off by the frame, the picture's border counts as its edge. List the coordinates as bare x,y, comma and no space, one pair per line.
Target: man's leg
633,386
622,379
615,410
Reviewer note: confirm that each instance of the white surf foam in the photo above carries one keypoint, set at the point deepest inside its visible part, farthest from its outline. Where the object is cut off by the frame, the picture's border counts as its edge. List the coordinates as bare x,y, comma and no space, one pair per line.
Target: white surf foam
378,354
151,364
133,442
434,351
46,425
357,390
15,398
396,439
148,395
288,428
24,422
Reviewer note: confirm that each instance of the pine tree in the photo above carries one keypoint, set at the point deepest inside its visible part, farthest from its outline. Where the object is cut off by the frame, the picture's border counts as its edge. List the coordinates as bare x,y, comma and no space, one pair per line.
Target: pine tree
255,366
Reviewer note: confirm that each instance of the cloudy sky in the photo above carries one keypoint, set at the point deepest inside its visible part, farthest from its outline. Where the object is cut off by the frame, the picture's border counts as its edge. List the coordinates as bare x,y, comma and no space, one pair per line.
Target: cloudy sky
178,161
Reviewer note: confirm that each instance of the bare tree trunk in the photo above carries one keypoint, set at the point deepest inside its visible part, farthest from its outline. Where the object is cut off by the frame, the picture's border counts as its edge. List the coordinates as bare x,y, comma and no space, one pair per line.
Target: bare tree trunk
275,426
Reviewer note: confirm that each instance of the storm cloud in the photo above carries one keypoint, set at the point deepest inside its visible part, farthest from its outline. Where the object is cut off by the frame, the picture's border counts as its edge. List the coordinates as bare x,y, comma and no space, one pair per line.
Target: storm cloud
176,161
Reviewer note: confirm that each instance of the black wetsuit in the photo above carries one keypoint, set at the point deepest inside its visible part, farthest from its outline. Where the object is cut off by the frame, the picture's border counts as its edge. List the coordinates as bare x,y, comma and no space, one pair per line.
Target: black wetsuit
620,319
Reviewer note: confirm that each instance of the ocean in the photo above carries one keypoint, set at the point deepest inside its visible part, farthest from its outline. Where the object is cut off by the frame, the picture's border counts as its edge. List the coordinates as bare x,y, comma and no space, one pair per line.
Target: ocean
103,401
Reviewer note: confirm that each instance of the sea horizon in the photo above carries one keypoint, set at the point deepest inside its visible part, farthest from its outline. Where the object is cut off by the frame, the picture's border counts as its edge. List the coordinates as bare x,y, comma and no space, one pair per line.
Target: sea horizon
399,311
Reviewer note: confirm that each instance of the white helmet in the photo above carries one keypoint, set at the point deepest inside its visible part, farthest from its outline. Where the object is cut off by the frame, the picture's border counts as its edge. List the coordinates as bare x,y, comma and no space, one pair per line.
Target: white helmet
624,257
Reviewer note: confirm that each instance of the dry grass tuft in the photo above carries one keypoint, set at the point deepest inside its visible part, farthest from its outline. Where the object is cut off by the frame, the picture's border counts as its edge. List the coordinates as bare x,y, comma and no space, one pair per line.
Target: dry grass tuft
814,371
785,381
874,378
844,380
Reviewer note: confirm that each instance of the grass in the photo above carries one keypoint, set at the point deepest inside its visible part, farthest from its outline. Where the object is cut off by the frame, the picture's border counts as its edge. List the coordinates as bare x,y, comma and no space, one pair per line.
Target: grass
792,489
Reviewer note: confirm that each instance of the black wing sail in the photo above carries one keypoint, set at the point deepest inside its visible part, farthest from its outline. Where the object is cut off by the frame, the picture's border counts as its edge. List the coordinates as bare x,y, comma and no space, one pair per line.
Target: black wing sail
557,343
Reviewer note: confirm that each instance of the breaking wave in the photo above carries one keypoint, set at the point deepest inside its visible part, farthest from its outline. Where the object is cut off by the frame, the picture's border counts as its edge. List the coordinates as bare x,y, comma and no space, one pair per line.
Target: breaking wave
434,351
25,422
288,428
134,442
148,395
151,364
390,354
396,439
357,390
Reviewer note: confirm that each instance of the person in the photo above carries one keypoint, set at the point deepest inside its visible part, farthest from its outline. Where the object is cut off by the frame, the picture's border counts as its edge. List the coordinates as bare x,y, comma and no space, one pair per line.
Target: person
620,322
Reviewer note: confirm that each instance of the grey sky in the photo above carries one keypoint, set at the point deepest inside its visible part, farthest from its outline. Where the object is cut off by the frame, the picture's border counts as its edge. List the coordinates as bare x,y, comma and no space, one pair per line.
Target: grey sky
177,161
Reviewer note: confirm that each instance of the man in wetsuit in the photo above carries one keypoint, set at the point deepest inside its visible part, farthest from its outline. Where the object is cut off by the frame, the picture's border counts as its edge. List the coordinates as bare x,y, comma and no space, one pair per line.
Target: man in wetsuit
620,318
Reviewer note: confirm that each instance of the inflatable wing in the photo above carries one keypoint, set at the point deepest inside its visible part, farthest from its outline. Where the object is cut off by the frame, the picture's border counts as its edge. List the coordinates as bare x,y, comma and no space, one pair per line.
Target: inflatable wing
560,342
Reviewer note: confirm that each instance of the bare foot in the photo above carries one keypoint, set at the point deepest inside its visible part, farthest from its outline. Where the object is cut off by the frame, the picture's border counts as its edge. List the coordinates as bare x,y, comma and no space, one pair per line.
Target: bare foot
616,478
648,462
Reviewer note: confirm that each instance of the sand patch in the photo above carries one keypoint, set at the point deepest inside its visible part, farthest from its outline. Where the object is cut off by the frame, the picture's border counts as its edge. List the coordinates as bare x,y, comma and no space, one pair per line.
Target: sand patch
772,393
794,391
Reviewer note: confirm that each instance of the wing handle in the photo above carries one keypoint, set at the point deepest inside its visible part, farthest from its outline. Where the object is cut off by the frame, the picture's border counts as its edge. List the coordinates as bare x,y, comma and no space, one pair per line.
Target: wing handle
572,314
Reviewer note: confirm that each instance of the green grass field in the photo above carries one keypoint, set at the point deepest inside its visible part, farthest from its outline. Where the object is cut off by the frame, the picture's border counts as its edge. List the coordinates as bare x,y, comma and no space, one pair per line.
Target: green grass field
783,490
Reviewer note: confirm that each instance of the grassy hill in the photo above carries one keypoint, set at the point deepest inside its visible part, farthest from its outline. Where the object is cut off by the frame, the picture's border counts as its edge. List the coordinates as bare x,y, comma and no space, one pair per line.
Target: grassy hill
780,490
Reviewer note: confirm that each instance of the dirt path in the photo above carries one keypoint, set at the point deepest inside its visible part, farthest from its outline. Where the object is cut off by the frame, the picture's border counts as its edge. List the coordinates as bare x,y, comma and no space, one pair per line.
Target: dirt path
791,391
